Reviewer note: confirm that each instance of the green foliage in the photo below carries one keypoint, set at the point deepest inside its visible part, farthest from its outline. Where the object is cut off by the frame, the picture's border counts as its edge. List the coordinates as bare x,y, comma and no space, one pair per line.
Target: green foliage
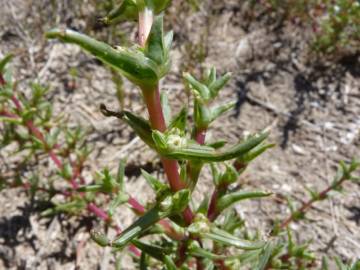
169,232
336,24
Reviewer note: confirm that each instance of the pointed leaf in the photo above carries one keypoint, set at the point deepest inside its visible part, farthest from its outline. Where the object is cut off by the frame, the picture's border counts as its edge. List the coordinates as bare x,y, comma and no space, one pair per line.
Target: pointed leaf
139,226
216,86
5,61
254,153
169,206
143,262
159,5
127,10
119,199
154,251
265,256
194,250
232,221
131,63
154,48
155,184
120,177
222,237
234,197
202,91
141,127
179,120
170,265
221,109
100,238
194,151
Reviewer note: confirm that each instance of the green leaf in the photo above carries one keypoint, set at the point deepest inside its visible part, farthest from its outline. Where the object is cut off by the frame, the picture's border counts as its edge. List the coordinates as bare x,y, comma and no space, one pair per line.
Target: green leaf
170,265
210,76
217,144
169,206
222,237
90,188
158,5
159,139
264,256
154,48
66,171
108,182
154,251
216,86
193,151
120,177
202,115
143,261
119,199
139,226
127,10
221,109
72,207
141,127
132,63
254,153
324,264
179,121
154,183
168,39
5,61
232,221
230,176
204,205
11,120
200,89
208,265
194,250
100,238
234,197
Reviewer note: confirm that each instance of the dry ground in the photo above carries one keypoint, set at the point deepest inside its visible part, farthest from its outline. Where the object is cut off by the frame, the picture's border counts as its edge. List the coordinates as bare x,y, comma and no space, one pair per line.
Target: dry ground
312,104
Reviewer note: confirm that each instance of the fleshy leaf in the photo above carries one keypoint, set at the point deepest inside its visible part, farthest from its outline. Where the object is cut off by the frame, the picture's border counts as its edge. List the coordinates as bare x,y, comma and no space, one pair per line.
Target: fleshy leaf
216,86
5,61
171,205
264,256
130,62
100,238
231,198
190,150
222,237
221,109
202,91
155,184
127,10
179,120
154,251
154,48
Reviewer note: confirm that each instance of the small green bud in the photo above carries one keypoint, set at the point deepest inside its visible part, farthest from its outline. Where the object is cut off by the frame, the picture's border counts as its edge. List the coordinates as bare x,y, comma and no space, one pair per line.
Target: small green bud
100,238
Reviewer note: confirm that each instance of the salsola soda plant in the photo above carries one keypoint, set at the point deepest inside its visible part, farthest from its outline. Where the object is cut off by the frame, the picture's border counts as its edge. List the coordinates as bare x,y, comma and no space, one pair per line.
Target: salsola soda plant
335,24
169,233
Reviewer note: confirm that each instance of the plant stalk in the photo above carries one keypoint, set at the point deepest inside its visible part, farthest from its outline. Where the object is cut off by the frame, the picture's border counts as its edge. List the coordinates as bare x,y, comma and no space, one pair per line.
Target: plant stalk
306,205
156,116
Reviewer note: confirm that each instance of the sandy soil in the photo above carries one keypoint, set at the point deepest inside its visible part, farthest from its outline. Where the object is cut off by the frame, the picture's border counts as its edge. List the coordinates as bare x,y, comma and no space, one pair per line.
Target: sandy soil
311,103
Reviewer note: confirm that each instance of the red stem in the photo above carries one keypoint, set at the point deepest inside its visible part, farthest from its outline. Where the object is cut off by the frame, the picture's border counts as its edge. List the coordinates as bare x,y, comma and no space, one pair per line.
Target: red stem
200,135
212,207
136,205
98,212
309,203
